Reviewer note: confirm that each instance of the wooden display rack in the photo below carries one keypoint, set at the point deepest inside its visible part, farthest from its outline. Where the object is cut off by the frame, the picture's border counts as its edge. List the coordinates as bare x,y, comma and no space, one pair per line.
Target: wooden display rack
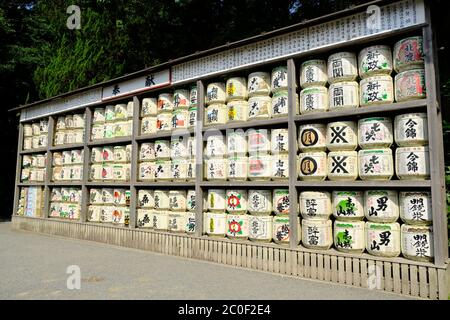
398,275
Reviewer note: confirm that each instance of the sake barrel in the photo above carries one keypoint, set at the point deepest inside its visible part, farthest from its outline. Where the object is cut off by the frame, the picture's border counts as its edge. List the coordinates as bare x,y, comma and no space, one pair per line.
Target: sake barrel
415,207
42,141
279,104
260,167
176,221
190,223
376,90
27,160
180,119
108,195
75,195
25,175
107,171
260,228
280,167
77,156
279,141
65,194
108,154
95,173
216,169
27,143
191,147
109,130
236,201
179,170
216,224
56,195
190,200
110,114
313,73
417,242
259,201
76,172
97,155
258,84
120,111
375,60
348,205
143,218
279,79
313,99
237,226
165,103
193,96
317,234
28,129
149,107
375,133
179,147
381,205
410,85
130,109
342,66
237,168
97,132
236,89
342,136
121,172
36,129
160,220
148,125
146,199
342,165
281,229
163,170
190,171
259,141
164,121
259,107
349,236
181,99
312,166
162,149
147,151
43,125
41,160
408,54
97,117
215,93
312,137
376,164
217,200
192,117
60,136
55,208
215,146
79,120
120,196
236,142
343,95
383,239
34,142
161,198
315,205
237,110
280,201
412,163
216,113
411,129
120,154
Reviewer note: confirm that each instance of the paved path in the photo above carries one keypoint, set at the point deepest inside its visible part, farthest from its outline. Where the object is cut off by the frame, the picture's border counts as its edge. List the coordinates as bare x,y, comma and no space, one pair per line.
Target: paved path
33,266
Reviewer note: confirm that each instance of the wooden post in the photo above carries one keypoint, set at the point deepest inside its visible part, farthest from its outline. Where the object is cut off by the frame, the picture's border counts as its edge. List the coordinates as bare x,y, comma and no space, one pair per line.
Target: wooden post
134,163
199,159
48,167
18,170
86,163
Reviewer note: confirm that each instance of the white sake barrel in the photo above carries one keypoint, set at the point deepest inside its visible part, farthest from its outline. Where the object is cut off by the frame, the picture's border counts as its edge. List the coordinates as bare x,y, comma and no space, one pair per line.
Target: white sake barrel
130,109
259,202
76,172
236,142
236,89
258,84
108,171
415,207
375,133
216,114
281,229
97,132
376,90
411,129
216,224
314,99
25,175
279,79
36,129
41,159
146,199
279,104
28,130
120,111
160,220
260,167
342,66
342,136
110,114
313,73
181,99
179,170
27,160
312,166
190,174
40,175
279,141
216,169
383,239
79,120
161,198
193,96
60,137
259,141
376,164
215,146
280,167
189,226
417,242
108,195
348,205
55,208
237,110
97,117
180,119
259,107
179,147
280,202
148,125
215,93
56,160
408,54
43,125
176,222
315,205
375,60
147,151
191,146
94,213
97,155
342,165
165,102
56,195
260,228
65,194
190,200
162,149
43,140
143,218
237,168
34,142
109,130
120,154
217,200
317,234
349,236
192,117
149,107
95,173
108,154
410,85
164,121
412,163
343,95
312,137
75,195
237,226
27,143
120,196
77,156
381,205
163,170
236,201
121,172
177,200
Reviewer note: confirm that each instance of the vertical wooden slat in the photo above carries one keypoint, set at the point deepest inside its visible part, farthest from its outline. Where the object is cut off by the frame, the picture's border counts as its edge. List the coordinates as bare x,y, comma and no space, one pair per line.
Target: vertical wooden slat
334,269
265,259
249,256
396,278
260,262
327,268
48,170
405,279
432,275
233,254
276,258
224,252
379,266
228,253
254,253
294,263
288,262
356,273
423,283
271,260
306,264
282,261
320,267
413,273
18,170
300,265
199,159
238,255
443,283
348,271
363,268
341,269
313,272
388,283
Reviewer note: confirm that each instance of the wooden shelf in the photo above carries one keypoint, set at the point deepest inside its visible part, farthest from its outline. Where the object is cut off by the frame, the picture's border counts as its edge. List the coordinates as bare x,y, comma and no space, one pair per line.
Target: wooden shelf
31,184
365,184
106,142
65,183
270,184
249,124
166,134
67,147
118,184
31,151
163,184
